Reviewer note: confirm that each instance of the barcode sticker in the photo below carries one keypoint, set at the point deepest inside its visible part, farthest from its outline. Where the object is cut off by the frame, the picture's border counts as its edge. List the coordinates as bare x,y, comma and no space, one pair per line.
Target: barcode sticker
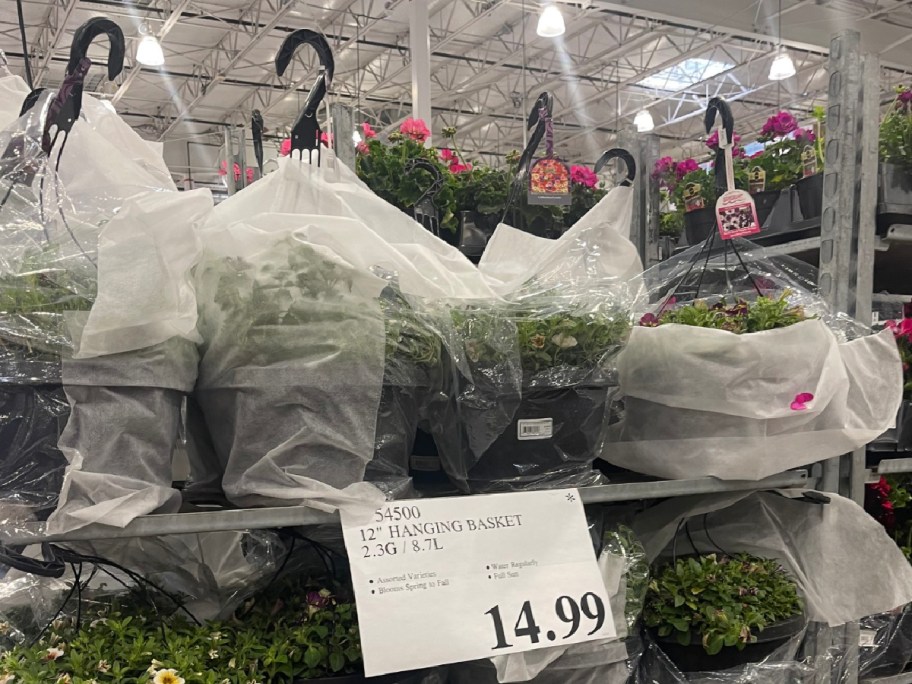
867,638
537,428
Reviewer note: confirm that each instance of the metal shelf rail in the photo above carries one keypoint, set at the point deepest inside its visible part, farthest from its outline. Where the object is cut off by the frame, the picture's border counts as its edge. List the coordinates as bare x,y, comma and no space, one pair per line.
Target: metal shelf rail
296,516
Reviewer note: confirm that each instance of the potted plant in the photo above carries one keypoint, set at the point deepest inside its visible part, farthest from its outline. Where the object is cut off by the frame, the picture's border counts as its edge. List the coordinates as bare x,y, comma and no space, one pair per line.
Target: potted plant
809,187
386,170
894,191
586,191
781,160
902,433
685,416
34,303
715,612
295,631
665,174
307,375
529,405
696,195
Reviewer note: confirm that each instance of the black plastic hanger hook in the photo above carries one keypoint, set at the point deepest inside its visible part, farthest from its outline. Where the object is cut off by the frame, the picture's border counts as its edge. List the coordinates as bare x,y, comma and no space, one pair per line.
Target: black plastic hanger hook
256,130
720,106
84,37
305,134
623,155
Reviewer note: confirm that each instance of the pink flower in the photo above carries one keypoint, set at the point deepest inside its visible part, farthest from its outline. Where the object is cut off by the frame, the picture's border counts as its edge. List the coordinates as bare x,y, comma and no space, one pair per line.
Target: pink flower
223,170
663,166
326,139
712,142
901,328
686,166
415,129
456,167
779,125
905,96
805,136
801,400
583,175
649,320
362,148
249,175
367,131
446,154
285,149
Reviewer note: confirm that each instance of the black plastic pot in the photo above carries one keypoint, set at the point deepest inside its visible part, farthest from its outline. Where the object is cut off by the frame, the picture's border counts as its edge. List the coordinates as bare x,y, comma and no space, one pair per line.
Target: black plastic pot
891,650
397,422
894,197
512,462
475,229
810,196
699,225
765,202
693,657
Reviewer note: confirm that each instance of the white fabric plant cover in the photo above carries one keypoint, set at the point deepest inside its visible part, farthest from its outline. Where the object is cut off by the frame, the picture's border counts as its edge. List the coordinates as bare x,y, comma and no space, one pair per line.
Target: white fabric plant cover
115,239
845,564
709,402
13,91
316,389
595,248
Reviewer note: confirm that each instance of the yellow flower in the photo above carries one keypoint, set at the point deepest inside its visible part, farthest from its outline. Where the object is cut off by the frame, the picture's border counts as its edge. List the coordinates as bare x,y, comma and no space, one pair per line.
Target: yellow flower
168,676
103,666
64,679
213,654
537,341
153,667
53,653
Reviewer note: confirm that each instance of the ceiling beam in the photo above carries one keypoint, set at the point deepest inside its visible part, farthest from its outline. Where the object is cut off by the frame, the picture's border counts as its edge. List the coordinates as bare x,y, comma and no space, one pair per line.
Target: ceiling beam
49,35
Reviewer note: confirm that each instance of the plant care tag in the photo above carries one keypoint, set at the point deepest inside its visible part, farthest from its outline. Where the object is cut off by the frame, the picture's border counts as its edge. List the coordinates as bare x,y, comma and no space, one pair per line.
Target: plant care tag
736,215
460,578
756,180
693,197
549,182
867,638
534,428
809,160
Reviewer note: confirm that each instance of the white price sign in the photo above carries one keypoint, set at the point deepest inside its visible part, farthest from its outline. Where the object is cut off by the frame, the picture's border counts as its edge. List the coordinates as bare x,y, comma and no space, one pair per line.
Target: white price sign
446,580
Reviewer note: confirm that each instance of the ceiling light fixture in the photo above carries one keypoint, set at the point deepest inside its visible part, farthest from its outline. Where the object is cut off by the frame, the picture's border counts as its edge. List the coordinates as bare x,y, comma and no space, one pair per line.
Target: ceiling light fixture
550,22
782,67
149,51
643,121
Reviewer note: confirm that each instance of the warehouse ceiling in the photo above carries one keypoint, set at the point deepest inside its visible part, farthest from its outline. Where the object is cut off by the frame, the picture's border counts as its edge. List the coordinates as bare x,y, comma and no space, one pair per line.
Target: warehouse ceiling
487,63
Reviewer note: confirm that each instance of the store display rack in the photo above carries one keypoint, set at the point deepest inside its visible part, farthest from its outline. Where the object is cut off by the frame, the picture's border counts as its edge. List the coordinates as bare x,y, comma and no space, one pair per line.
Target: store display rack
296,516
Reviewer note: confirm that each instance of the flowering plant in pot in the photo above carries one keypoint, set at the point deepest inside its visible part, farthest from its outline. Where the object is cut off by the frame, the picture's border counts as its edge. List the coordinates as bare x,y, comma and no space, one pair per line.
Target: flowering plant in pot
277,326
529,403
714,612
894,197
384,167
902,433
292,632
585,191
684,416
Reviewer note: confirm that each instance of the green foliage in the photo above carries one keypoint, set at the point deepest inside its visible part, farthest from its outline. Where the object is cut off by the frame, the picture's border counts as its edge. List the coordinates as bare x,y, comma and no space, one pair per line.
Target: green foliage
294,631
671,223
621,541
299,286
383,169
482,189
896,130
781,160
543,339
764,313
707,183
722,601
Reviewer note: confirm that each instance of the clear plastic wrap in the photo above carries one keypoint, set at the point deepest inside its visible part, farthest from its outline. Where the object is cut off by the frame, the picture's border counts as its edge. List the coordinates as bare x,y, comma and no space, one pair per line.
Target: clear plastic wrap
13,91
95,270
885,643
746,386
803,535
320,349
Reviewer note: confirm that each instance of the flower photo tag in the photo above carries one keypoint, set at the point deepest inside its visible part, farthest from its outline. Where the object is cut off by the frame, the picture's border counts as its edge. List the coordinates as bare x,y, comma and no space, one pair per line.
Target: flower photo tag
809,160
693,198
736,215
549,182
756,180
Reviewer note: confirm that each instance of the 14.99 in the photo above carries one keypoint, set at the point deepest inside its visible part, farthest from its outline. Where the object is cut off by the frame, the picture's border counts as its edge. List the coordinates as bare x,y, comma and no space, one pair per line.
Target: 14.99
567,610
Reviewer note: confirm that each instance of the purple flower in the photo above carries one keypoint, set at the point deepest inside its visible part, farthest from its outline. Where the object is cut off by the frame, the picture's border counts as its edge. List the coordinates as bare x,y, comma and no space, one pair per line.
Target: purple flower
317,599
663,166
712,142
779,125
805,136
905,96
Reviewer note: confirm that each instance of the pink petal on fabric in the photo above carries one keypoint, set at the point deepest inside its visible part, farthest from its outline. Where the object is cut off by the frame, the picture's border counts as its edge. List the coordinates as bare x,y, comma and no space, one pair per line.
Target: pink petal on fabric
801,400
